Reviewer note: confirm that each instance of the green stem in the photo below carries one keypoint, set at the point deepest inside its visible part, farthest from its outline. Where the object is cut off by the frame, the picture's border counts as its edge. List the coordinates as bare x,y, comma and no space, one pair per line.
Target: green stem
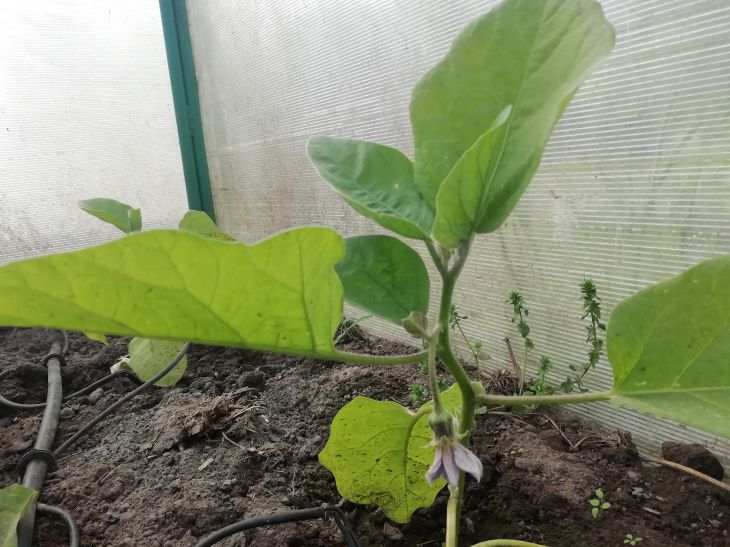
527,400
432,378
452,519
375,360
507,543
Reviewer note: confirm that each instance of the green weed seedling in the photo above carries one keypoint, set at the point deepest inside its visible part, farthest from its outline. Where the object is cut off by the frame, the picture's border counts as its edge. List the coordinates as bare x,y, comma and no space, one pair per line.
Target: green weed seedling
481,118
630,539
598,504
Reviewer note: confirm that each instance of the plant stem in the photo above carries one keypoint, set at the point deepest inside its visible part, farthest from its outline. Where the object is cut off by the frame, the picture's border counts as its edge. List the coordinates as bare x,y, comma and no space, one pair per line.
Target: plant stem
432,378
507,543
526,400
375,360
453,509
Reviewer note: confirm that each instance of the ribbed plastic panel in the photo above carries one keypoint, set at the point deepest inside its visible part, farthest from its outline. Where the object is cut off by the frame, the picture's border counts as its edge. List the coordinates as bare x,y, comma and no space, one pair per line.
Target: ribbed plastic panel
85,111
634,186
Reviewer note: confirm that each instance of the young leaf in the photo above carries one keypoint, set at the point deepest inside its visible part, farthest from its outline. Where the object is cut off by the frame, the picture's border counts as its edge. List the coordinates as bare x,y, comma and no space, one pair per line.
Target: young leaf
148,356
531,54
280,294
119,214
14,502
199,222
376,180
669,346
384,276
97,337
379,453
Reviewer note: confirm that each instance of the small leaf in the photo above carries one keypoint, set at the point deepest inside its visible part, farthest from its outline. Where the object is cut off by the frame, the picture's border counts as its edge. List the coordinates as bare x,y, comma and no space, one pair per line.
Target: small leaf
280,294
605,505
669,346
97,337
116,213
594,502
376,180
384,276
379,453
14,502
599,494
199,222
594,512
148,356
531,54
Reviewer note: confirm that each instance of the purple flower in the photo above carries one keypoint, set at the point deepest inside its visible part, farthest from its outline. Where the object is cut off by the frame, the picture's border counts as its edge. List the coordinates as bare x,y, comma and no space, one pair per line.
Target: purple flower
452,457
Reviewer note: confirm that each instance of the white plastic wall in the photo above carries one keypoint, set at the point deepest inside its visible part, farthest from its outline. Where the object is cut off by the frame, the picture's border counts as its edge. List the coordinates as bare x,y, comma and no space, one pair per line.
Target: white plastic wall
85,111
633,187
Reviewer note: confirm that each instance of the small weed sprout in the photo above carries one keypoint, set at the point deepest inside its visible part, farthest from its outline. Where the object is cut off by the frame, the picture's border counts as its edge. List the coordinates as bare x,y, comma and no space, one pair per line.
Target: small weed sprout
630,539
598,504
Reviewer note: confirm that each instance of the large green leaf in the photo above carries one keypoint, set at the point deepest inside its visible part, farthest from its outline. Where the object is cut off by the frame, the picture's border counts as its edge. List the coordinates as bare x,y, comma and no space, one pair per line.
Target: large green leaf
531,54
199,222
463,197
384,276
376,180
148,356
280,294
14,502
669,346
379,453
119,214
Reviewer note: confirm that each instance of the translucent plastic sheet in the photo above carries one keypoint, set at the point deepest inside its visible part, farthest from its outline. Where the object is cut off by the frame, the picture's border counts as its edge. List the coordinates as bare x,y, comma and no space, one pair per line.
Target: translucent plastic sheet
634,186
85,111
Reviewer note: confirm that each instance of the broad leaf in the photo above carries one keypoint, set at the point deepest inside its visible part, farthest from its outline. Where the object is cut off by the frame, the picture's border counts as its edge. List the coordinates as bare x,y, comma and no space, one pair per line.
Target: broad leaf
531,54
379,453
280,294
384,276
376,180
669,346
119,214
463,197
199,222
148,356
15,500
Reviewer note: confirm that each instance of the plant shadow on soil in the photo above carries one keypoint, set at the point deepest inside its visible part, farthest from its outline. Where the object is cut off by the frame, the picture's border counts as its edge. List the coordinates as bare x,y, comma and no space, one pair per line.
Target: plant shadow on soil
240,434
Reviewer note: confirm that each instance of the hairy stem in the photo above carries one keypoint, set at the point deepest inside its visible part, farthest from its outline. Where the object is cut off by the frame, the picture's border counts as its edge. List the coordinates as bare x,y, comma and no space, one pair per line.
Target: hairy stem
432,378
526,400
453,509
374,360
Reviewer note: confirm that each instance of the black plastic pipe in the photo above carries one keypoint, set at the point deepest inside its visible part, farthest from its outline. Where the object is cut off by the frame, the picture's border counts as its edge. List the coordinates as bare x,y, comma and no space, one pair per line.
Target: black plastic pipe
82,391
324,512
35,471
73,531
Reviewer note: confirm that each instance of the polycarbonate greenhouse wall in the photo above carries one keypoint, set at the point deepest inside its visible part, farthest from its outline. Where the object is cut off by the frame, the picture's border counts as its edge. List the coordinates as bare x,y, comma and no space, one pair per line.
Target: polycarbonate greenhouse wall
634,186
85,111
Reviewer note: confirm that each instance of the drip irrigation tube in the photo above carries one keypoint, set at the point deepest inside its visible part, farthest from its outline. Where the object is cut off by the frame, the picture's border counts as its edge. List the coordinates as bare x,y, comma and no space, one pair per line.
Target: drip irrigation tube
76,436
37,463
73,531
83,391
324,512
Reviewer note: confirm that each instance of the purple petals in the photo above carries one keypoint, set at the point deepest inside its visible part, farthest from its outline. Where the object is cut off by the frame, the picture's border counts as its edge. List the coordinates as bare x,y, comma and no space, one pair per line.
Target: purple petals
450,458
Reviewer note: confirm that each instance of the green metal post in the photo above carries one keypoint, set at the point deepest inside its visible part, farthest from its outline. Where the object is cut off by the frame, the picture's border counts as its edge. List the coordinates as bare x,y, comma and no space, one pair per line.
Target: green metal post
187,105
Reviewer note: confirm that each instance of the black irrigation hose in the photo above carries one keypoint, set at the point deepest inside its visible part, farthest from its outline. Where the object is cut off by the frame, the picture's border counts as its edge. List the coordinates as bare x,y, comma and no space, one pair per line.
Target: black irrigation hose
35,469
324,512
73,531
83,391
123,400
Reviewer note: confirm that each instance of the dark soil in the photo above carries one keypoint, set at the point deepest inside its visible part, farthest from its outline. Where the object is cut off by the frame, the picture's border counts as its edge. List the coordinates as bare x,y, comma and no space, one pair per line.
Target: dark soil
239,437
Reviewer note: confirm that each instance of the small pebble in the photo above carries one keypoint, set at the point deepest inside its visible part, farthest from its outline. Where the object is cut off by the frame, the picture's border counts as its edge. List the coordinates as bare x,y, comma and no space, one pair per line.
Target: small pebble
95,396
67,413
391,532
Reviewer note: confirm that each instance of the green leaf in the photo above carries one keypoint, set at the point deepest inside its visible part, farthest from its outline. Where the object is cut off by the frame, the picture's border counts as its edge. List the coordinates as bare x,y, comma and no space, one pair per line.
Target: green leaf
594,502
199,222
280,294
119,214
464,196
15,500
669,346
379,453
594,512
97,337
605,505
148,356
376,180
531,54
384,276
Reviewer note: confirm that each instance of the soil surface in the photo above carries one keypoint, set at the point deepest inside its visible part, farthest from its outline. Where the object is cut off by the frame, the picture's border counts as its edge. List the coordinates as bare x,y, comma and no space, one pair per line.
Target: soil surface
240,434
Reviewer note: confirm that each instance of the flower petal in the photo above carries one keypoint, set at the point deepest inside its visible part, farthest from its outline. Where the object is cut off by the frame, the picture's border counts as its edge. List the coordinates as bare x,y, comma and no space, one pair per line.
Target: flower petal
467,461
452,471
437,469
